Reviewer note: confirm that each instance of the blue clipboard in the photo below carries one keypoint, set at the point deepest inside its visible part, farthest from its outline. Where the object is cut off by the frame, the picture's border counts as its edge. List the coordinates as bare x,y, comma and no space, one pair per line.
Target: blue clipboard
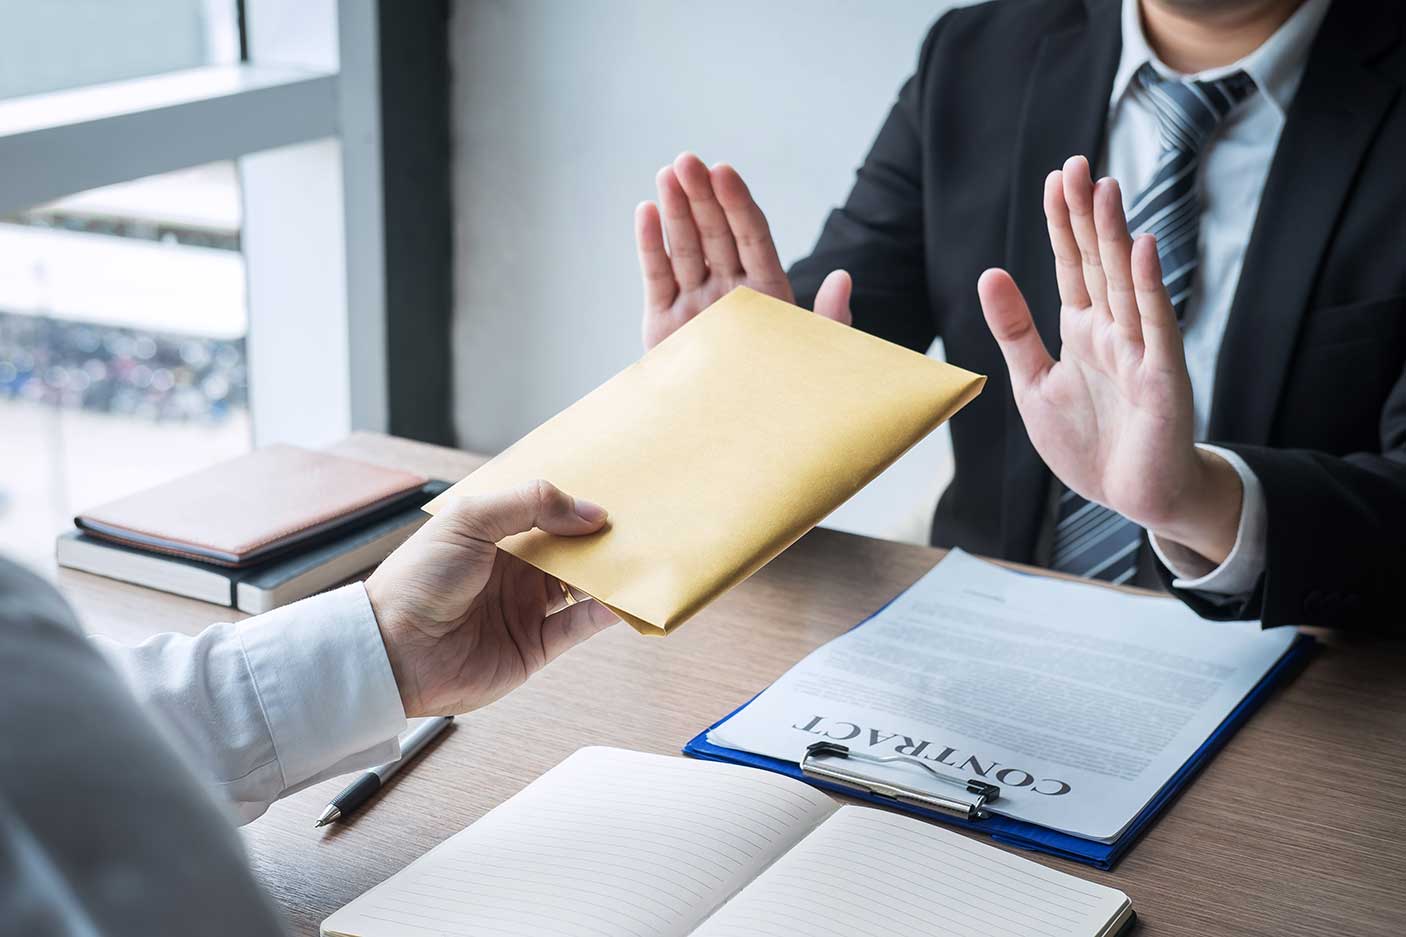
1026,835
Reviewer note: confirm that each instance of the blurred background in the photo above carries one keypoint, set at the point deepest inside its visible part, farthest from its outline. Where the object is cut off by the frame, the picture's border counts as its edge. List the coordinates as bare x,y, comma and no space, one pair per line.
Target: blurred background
122,308
226,223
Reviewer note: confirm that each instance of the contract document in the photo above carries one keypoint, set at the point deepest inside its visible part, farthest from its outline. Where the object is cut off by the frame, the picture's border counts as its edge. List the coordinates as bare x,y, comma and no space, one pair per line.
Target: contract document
1079,702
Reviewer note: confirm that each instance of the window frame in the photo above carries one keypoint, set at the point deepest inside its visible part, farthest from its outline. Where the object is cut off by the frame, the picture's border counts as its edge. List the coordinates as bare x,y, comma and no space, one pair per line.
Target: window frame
301,116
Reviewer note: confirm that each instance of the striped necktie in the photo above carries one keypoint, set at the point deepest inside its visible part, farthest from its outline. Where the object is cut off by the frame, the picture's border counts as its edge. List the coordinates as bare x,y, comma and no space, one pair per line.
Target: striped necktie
1091,540
1188,112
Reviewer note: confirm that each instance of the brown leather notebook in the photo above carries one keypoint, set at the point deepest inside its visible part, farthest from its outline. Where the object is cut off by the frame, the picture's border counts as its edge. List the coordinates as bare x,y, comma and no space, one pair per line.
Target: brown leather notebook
244,510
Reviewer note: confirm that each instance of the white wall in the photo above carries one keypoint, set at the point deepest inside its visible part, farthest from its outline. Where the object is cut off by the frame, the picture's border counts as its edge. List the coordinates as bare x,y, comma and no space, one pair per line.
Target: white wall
563,111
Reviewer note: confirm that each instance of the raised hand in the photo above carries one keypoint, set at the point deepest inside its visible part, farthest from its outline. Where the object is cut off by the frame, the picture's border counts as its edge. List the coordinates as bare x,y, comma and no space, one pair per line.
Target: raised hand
462,621
1113,417
717,239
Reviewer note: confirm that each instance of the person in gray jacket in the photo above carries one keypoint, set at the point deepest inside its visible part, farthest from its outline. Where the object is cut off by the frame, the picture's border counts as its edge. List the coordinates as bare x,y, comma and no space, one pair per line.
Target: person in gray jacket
121,768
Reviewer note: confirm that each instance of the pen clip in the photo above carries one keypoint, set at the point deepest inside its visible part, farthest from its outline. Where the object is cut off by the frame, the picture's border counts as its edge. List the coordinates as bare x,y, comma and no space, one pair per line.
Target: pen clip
975,809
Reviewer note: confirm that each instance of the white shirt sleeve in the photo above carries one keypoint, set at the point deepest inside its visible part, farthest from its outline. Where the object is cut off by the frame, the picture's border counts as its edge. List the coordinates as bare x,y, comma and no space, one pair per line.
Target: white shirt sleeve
272,704
1242,568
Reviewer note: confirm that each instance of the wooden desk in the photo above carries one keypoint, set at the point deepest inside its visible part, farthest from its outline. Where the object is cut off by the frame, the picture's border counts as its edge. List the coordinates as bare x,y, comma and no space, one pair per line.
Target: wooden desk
1256,845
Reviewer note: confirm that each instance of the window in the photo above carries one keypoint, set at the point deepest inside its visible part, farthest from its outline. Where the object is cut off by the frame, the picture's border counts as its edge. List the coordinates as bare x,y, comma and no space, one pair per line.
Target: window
122,345
54,45
191,247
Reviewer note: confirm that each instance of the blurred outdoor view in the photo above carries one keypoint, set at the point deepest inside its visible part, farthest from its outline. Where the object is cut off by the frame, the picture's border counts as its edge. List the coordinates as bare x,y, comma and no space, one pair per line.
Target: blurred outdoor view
122,309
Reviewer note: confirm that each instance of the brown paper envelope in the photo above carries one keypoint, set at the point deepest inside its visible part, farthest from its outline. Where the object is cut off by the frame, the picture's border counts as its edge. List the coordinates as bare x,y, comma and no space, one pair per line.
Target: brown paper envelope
718,449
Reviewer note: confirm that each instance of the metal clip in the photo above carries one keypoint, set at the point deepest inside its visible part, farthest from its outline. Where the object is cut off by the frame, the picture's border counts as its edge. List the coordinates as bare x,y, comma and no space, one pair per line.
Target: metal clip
953,806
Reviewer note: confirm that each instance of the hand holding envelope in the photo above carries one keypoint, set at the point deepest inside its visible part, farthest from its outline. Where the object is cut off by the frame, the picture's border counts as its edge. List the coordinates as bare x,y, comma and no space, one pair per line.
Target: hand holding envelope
718,449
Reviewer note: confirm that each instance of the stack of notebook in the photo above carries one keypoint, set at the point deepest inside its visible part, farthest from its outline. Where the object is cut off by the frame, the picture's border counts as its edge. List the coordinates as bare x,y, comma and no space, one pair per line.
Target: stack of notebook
255,532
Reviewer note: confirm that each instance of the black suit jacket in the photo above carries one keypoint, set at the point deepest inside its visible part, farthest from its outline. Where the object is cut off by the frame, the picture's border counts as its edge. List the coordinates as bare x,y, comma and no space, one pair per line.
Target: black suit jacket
1310,388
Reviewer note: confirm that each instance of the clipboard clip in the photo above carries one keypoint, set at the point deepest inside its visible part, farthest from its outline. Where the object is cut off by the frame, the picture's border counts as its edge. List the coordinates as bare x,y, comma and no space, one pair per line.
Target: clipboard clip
974,809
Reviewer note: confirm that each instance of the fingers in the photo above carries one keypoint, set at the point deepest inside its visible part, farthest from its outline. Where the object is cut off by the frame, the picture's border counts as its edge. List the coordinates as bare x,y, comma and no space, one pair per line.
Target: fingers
755,248
660,286
685,246
713,225
567,628
540,504
832,299
1160,333
1079,197
719,245
1008,317
1115,253
1069,268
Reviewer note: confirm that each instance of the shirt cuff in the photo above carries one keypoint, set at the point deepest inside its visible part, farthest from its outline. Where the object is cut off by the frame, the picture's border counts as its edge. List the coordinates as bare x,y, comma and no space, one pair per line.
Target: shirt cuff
1242,569
325,684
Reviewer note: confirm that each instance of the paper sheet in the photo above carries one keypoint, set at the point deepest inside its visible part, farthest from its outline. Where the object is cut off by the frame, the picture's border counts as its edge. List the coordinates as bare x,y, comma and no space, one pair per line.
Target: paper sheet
720,448
866,871
609,842
1079,702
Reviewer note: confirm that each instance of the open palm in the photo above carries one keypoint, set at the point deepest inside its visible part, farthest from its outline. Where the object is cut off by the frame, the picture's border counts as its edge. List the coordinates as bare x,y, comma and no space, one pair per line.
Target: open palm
1112,418
718,239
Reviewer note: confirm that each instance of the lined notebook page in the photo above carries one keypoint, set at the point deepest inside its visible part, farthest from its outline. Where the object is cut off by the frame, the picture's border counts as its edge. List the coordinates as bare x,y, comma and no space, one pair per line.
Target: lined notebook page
609,843
867,872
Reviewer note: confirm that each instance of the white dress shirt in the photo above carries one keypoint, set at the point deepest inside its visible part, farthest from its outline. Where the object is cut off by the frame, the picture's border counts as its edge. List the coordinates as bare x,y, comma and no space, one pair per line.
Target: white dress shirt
1231,177
274,703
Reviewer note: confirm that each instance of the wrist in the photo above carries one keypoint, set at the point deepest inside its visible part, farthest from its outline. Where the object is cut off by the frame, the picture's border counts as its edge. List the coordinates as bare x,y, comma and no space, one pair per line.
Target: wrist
1206,519
381,609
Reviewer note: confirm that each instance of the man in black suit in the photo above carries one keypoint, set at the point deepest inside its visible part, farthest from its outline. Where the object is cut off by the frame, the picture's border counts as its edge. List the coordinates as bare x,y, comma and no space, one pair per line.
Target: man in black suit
1261,143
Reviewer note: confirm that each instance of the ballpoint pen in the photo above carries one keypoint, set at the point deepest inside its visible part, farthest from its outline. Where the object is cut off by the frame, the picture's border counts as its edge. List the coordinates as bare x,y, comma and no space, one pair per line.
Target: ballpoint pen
363,788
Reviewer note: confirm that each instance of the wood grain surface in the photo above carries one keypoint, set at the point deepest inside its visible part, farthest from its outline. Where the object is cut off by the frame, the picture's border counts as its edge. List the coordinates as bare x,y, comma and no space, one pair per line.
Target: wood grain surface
1298,827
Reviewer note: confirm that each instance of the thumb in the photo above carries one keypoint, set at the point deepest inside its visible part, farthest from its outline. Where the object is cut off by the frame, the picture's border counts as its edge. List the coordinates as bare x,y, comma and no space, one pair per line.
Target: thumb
1008,318
541,504
832,299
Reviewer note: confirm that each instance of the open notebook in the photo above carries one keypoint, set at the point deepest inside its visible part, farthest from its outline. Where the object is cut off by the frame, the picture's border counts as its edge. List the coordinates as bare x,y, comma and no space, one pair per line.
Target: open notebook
613,842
